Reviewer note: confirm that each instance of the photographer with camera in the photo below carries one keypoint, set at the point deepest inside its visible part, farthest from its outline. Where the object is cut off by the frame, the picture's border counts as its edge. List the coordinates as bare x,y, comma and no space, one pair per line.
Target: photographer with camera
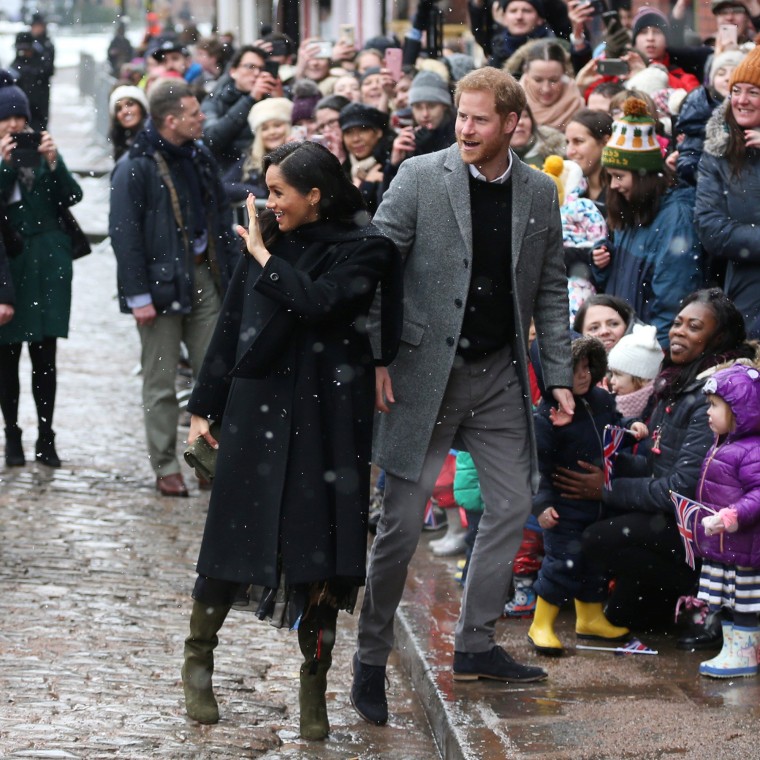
34,185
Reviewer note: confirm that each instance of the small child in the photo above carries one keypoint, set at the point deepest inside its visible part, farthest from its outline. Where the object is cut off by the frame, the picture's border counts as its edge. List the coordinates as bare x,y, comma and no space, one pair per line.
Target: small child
634,362
729,541
563,442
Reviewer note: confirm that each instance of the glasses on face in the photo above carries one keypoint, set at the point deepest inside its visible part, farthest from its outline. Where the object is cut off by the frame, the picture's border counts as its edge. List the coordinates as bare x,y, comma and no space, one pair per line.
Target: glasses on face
329,124
250,66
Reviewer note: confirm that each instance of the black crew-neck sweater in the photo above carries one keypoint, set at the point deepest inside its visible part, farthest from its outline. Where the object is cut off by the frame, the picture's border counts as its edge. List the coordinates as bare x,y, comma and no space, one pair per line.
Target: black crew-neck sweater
489,317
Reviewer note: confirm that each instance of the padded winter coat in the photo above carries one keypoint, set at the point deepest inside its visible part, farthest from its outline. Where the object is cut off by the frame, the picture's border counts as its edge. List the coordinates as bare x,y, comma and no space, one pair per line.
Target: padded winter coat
727,218
730,474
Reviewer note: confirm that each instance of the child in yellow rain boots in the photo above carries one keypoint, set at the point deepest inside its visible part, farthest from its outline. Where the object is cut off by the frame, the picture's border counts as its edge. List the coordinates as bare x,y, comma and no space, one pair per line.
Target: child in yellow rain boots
562,442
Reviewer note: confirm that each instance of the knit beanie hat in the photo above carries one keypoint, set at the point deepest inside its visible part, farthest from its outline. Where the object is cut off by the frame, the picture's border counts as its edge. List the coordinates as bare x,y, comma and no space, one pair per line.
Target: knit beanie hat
13,101
460,65
649,80
127,91
633,145
729,58
538,6
638,353
360,115
270,109
716,5
428,87
649,16
748,71
305,97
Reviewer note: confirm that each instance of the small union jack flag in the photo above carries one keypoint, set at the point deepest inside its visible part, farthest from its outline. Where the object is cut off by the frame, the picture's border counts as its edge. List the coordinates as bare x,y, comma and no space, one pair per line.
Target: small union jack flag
430,520
686,510
613,437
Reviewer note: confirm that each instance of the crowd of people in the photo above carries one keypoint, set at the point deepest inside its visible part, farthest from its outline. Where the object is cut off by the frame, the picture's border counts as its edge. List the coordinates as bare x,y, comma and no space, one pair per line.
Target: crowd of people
569,218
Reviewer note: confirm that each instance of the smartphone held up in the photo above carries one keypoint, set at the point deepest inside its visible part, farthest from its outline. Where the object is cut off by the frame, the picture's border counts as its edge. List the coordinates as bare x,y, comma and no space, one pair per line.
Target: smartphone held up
26,154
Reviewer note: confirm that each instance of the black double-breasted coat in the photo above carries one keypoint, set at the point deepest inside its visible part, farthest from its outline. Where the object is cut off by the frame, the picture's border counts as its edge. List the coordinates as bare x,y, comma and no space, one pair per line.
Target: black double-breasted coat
290,372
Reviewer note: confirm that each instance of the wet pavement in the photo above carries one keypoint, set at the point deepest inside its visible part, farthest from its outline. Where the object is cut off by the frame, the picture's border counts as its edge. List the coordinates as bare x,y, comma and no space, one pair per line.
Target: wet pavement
95,571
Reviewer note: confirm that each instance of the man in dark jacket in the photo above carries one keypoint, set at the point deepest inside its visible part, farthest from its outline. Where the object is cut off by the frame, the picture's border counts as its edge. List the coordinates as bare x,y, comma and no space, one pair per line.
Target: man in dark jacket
33,69
170,228
226,109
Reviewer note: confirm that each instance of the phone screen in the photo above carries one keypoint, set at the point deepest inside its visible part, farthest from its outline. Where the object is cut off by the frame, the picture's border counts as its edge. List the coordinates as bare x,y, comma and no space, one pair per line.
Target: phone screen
393,58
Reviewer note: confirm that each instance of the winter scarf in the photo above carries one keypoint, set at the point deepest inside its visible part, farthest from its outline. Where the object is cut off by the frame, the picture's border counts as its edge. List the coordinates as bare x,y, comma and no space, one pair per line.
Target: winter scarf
186,156
504,44
559,114
633,404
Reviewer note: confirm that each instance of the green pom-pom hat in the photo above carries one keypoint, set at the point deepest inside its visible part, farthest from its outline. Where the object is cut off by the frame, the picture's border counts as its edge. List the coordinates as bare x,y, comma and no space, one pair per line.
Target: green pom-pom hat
633,145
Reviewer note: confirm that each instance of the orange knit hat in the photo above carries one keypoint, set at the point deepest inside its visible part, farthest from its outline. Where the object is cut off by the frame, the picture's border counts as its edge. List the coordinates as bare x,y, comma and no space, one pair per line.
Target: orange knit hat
748,71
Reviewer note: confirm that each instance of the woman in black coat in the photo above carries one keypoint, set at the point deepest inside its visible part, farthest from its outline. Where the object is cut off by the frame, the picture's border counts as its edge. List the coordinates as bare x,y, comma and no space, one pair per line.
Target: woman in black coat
290,375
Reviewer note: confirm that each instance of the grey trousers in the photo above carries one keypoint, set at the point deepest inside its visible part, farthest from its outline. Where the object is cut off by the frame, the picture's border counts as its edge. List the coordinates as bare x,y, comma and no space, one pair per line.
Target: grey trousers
482,412
160,354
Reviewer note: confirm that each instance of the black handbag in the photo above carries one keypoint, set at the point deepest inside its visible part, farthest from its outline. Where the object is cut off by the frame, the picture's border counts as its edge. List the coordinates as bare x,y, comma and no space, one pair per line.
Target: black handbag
12,240
80,245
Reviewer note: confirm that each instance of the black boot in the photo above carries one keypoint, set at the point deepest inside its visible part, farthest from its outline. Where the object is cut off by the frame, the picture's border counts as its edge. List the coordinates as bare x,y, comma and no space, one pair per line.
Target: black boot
14,451
205,622
45,449
316,637
708,635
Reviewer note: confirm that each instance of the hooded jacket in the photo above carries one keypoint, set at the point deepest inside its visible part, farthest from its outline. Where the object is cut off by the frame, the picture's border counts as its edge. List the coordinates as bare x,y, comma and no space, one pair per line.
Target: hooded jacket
580,440
727,218
730,475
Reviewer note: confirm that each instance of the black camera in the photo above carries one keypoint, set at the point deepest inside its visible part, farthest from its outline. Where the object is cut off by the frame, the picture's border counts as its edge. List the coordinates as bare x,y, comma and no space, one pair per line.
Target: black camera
598,5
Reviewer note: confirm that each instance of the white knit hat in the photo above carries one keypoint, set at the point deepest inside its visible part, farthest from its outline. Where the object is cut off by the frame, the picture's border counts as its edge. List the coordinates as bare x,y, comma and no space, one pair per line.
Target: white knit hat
638,353
127,91
270,109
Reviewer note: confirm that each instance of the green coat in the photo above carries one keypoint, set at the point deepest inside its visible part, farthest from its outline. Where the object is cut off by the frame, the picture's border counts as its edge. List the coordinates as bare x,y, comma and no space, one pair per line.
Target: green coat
42,274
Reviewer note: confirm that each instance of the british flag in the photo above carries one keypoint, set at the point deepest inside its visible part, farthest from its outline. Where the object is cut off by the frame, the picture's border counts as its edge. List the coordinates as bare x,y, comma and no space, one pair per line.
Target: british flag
611,440
686,510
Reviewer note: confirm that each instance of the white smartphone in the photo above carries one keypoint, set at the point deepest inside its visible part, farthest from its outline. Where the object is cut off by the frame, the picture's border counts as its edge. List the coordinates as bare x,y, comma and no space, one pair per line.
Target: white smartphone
347,33
728,35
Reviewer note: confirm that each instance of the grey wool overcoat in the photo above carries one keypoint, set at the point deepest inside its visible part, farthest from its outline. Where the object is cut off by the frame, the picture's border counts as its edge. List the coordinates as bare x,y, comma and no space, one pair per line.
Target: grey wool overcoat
426,212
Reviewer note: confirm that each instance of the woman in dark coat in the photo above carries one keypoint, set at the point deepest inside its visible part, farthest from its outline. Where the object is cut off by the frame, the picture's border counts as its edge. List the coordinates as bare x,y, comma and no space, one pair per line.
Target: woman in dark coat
290,375
727,214
33,190
638,543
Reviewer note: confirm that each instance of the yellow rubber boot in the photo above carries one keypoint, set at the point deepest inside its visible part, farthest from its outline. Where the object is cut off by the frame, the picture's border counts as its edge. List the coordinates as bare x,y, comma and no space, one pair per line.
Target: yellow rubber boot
590,623
541,633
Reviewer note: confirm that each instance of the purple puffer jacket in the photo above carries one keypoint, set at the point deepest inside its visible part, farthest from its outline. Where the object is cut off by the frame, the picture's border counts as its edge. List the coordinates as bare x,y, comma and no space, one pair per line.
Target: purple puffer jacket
730,475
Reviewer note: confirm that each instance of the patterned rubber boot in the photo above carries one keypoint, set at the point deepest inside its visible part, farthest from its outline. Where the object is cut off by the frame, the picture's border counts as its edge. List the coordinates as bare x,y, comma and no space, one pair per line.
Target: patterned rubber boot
523,603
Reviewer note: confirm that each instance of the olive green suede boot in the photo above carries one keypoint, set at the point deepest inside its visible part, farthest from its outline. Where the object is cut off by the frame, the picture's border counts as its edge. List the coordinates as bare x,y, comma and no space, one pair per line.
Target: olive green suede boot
316,637
205,622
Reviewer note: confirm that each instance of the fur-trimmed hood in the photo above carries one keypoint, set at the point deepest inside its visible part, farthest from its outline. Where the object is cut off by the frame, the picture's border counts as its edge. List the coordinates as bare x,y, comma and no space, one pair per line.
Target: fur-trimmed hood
593,350
716,132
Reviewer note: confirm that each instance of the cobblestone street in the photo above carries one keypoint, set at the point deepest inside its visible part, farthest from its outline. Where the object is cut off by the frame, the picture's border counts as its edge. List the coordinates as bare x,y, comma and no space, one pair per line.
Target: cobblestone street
96,571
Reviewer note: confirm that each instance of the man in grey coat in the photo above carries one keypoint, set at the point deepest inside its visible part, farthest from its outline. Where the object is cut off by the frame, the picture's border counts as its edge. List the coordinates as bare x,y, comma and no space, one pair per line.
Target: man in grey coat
481,238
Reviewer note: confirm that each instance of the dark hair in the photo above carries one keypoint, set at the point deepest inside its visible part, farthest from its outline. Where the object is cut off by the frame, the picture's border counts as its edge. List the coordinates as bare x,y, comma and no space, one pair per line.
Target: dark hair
736,150
166,99
547,50
598,123
608,89
620,305
240,52
646,195
729,342
122,138
305,165
731,331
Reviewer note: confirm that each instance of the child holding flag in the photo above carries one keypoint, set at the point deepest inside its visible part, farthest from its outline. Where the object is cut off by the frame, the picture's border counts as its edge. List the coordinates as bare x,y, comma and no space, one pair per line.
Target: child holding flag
729,541
562,442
